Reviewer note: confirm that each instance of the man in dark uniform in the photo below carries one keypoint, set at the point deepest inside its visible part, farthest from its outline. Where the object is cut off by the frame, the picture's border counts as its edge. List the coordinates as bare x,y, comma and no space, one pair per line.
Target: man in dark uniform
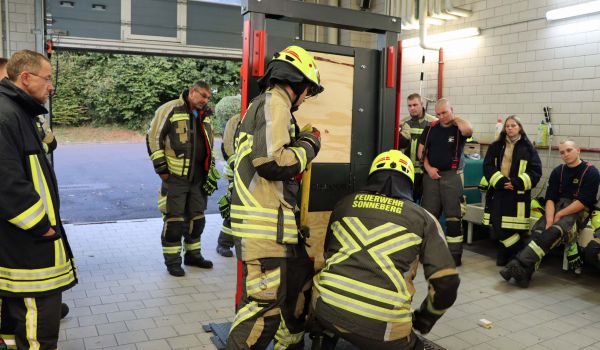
375,240
570,197
441,149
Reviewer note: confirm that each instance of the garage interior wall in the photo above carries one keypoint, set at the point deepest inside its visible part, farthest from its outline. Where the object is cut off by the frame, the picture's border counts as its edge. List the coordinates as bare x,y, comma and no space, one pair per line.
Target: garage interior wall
21,25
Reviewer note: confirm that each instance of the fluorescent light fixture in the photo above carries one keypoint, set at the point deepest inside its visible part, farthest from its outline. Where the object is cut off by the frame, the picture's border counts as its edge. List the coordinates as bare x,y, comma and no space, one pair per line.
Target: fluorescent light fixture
572,11
442,37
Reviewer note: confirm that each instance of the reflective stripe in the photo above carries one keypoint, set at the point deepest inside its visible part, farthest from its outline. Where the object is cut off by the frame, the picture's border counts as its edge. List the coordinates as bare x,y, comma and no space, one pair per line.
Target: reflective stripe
59,253
416,131
526,181
9,340
300,153
41,186
226,230
193,246
290,235
413,151
178,166
37,286
158,154
536,249
510,241
457,239
243,150
245,313
284,338
432,309
30,217
179,116
171,250
268,280
495,178
363,289
34,274
486,219
31,322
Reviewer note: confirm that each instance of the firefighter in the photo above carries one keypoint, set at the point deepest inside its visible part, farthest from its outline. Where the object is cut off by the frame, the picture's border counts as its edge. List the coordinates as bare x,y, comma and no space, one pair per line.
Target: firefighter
409,138
591,252
512,168
33,242
272,151
180,141
375,240
571,193
3,73
225,240
441,151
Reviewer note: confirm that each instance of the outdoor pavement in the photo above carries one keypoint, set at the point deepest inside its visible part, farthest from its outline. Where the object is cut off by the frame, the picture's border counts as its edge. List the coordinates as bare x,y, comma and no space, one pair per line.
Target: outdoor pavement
126,300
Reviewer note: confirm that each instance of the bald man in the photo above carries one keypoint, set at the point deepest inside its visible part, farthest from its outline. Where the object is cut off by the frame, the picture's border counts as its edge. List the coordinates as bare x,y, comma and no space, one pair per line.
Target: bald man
441,148
570,198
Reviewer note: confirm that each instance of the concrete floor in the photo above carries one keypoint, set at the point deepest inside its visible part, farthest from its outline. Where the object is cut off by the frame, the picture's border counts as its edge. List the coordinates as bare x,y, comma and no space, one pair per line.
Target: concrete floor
126,300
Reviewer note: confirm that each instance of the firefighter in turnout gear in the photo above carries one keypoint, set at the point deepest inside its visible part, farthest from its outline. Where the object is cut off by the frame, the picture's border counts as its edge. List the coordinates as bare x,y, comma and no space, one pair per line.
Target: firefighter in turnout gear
591,252
375,240
512,167
180,141
409,138
571,194
271,151
441,149
36,262
225,241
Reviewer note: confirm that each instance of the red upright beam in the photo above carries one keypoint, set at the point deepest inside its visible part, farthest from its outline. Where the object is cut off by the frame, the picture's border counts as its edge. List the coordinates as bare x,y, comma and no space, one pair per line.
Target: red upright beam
440,73
398,96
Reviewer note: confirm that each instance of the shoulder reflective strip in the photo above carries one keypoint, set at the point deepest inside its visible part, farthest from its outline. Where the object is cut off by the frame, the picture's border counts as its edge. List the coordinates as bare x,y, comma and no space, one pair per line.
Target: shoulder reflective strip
245,313
494,179
38,286
41,186
30,217
364,309
171,250
301,155
31,323
158,154
458,239
270,280
193,246
526,181
178,117
362,289
510,241
349,245
369,236
536,249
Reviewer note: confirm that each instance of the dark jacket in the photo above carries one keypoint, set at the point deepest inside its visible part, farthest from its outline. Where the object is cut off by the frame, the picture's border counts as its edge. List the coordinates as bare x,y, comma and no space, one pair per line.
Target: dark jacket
506,209
30,265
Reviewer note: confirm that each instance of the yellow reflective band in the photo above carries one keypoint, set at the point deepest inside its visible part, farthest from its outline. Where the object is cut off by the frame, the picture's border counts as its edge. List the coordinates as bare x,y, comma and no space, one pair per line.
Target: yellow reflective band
31,323
245,196
41,186
349,245
521,212
193,246
510,241
59,253
381,255
301,155
393,298
268,280
522,167
416,131
457,239
226,230
37,286
526,181
536,249
432,309
245,313
35,274
30,217
413,151
158,154
9,340
367,236
486,219
290,235
171,250
284,338
495,178
179,116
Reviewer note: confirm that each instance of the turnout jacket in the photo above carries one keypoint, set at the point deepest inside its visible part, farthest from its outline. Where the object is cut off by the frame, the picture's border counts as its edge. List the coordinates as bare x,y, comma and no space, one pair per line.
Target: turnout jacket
30,265
264,199
508,209
173,136
411,132
373,247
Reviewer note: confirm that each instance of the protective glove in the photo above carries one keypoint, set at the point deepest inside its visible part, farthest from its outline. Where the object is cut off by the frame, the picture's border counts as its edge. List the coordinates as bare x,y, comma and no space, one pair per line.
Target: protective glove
310,138
225,206
422,322
210,185
574,258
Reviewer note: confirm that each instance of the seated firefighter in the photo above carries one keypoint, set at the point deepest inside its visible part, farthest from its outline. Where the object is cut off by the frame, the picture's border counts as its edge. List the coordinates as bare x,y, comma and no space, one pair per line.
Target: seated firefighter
374,242
591,252
571,193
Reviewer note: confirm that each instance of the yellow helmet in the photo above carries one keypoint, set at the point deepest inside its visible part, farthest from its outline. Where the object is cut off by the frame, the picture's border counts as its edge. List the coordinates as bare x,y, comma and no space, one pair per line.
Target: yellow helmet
394,160
483,184
305,63
596,219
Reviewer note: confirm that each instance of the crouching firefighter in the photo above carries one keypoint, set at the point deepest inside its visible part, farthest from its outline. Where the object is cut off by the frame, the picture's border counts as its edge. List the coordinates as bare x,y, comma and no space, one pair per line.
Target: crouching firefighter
271,152
591,252
375,240
571,193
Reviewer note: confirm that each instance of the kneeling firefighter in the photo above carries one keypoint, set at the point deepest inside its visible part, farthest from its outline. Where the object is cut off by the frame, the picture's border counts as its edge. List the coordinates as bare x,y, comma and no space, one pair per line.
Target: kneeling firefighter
375,240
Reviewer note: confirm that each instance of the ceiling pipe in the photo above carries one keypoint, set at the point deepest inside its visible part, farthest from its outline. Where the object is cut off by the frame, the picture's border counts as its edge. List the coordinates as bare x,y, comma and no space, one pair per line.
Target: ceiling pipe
436,11
449,9
423,26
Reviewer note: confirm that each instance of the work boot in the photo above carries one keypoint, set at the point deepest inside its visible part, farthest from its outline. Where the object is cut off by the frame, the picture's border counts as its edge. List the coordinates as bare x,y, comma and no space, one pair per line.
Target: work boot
521,274
224,251
457,259
197,261
64,310
176,270
502,256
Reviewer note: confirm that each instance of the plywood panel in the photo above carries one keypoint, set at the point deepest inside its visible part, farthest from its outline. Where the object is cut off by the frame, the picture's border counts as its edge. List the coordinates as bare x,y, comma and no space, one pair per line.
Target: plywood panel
317,221
331,111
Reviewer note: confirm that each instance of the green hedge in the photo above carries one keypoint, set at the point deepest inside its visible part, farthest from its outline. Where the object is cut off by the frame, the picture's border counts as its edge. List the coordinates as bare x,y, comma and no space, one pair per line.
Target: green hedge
114,89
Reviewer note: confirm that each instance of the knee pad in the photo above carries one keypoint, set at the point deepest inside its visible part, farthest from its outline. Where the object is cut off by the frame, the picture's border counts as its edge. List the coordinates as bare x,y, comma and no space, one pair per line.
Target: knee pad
197,226
549,238
591,253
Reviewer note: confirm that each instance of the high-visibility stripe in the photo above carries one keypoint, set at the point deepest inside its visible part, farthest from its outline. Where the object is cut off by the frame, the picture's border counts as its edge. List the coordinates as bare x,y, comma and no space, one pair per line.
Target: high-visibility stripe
31,323
30,217
300,153
178,166
226,230
179,116
9,340
393,298
537,249
244,149
416,131
486,219
510,241
41,186
37,286
522,166
245,313
413,149
284,338
171,250
526,181
59,253
262,231
268,280
193,246
35,274
157,154
495,178
432,309
457,239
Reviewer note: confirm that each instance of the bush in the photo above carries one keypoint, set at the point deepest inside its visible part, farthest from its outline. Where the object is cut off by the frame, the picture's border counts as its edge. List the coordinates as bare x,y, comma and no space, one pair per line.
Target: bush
227,107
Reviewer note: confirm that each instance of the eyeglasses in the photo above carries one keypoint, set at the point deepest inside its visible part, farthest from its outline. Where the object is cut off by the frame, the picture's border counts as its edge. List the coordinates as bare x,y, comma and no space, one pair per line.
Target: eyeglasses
48,80
203,94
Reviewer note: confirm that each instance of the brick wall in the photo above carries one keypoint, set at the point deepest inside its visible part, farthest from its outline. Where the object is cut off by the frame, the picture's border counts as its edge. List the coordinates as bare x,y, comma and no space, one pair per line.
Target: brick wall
21,20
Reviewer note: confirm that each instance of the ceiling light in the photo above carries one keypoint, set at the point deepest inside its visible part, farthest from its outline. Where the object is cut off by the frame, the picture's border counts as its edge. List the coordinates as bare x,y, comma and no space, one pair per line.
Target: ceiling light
572,11
447,36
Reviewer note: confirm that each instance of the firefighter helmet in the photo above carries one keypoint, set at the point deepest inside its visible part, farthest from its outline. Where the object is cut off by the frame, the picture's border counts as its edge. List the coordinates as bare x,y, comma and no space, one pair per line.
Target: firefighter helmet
537,210
596,219
396,161
303,62
483,184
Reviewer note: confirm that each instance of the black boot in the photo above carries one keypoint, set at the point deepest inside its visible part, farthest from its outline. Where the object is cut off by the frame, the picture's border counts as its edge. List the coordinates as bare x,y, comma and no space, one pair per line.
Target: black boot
515,269
176,270
502,255
198,261
457,259
64,310
224,251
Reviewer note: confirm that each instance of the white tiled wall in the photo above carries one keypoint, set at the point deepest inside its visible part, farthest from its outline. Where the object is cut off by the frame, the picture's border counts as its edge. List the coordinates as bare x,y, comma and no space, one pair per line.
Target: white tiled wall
21,19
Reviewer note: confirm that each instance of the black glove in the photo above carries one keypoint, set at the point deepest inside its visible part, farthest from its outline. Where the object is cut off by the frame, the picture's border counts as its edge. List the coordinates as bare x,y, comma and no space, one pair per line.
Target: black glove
312,138
423,322
210,185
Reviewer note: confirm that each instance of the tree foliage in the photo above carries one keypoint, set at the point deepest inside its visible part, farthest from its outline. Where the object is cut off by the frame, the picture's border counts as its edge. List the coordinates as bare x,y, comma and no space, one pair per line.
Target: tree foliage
116,89
225,109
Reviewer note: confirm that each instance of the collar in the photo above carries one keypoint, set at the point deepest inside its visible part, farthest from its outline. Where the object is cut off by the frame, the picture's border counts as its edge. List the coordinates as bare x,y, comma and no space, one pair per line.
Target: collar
21,98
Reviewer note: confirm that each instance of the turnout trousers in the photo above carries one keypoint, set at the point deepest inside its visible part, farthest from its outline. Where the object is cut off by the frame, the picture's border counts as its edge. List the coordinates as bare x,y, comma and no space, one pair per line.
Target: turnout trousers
184,217
225,238
446,196
30,323
274,304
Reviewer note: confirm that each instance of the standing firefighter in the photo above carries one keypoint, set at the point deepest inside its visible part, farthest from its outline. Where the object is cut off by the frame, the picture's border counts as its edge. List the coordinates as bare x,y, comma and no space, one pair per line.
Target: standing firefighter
409,136
180,141
374,243
36,263
441,148
271,152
